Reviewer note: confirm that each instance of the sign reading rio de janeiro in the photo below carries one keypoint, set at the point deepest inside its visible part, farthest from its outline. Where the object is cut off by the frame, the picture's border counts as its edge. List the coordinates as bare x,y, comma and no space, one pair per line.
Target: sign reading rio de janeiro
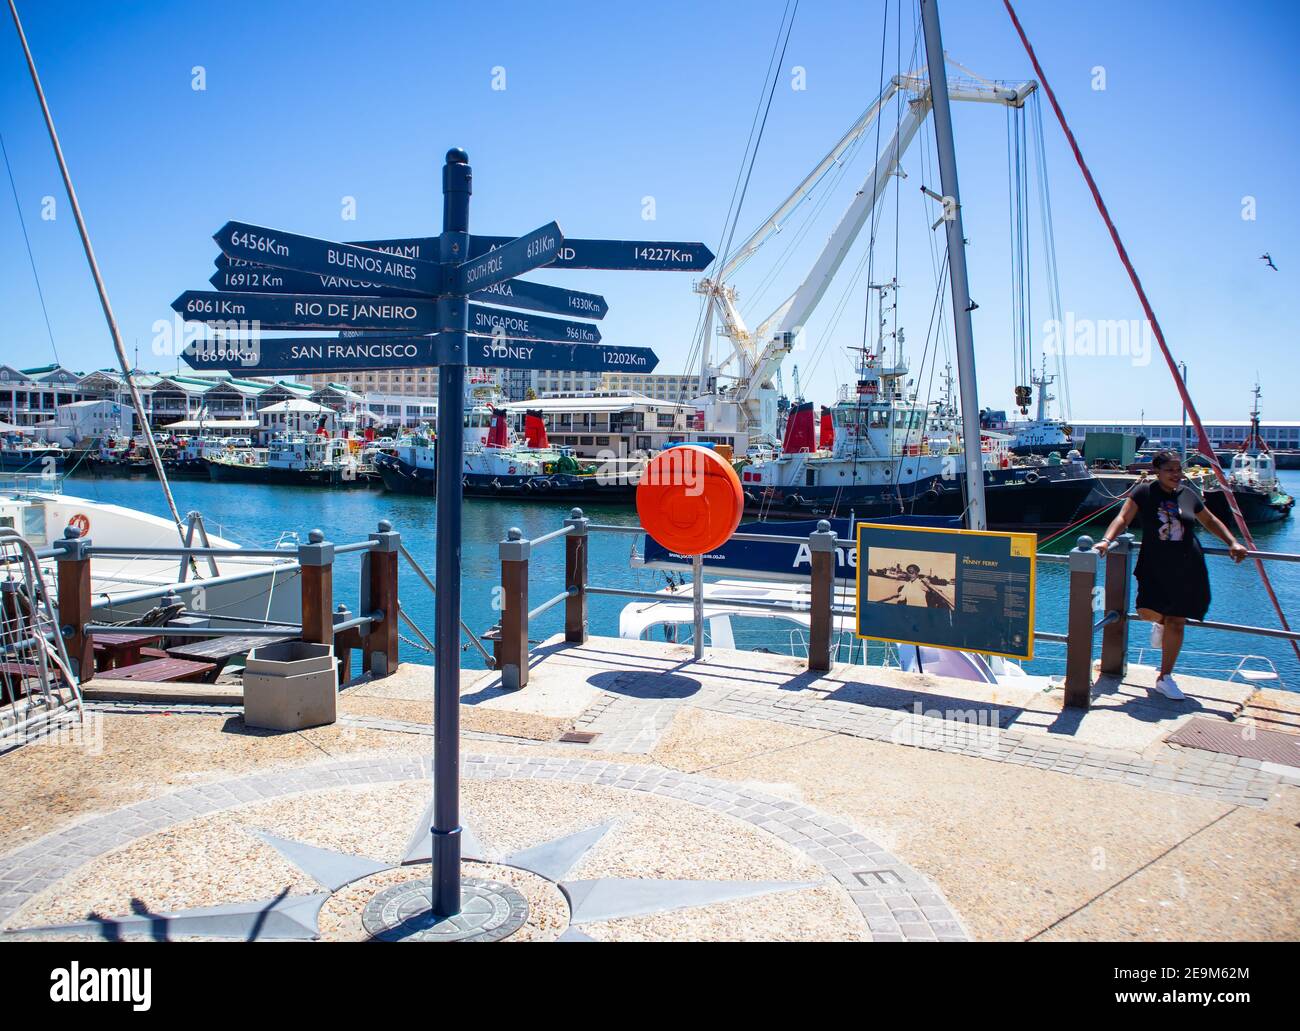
969,590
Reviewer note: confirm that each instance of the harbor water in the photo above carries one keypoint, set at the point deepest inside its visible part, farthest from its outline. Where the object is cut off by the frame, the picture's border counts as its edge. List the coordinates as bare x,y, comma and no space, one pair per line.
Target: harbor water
258,515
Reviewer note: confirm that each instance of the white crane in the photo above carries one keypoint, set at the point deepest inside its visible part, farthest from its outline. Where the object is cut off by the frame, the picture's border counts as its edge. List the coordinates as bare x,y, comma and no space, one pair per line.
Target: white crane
757,354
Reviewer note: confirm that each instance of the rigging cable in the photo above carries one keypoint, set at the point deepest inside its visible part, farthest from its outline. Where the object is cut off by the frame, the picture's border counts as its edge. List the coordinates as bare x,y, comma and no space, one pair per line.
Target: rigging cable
109,317
1203,439
30,257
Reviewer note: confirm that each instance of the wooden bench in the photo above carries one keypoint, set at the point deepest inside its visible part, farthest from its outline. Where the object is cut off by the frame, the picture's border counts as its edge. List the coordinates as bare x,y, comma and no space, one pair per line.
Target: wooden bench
121,648
220,650
159,671
15,673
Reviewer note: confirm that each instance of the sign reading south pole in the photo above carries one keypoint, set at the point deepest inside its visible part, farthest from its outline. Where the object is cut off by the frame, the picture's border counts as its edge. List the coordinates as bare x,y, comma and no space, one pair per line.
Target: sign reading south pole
969,590
325,257
512,258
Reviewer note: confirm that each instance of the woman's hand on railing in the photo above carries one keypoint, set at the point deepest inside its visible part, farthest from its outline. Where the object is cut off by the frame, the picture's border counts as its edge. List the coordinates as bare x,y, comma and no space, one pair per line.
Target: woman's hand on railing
1237,551
1102,546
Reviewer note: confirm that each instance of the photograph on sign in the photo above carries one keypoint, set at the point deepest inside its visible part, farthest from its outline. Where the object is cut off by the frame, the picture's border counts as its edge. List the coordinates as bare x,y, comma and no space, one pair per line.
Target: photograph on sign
927,579
969,590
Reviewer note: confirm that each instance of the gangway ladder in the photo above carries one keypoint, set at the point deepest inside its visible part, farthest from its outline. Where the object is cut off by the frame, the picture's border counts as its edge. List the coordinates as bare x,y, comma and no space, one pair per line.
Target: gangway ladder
38,688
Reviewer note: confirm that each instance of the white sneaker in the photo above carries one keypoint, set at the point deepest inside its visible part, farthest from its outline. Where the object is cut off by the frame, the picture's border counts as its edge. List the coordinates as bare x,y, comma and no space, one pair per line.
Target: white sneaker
1157,635
1167,687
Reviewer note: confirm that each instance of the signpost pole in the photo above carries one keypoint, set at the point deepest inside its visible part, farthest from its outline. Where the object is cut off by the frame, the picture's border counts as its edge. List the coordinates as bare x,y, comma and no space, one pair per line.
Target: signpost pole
454,321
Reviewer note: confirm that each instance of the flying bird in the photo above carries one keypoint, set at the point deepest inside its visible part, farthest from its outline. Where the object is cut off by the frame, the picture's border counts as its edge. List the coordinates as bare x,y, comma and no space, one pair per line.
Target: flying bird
1267,258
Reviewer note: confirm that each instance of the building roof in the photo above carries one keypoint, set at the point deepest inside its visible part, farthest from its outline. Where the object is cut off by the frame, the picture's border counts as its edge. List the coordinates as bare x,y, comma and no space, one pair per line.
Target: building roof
296,404
589,403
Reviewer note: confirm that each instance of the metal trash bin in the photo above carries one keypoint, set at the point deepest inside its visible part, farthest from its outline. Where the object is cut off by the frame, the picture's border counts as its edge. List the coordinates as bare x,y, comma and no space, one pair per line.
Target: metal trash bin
290,686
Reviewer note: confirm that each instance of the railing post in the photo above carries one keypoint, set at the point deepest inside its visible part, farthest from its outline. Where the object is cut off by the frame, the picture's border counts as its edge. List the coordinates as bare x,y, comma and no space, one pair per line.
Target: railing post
316,558
512,656
575,578
1078,648
1114,638
379,654
342,652
821,543
73,568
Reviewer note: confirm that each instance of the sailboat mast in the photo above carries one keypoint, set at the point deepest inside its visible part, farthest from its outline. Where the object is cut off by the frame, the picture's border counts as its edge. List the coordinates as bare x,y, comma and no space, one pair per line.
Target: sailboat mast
976,513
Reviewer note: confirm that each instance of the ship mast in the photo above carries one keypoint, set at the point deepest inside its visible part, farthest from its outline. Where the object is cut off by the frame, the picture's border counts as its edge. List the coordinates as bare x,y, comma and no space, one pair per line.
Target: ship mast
976,513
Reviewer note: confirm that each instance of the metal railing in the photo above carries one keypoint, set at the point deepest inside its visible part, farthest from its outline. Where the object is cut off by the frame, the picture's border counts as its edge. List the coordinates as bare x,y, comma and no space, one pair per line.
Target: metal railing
1090,609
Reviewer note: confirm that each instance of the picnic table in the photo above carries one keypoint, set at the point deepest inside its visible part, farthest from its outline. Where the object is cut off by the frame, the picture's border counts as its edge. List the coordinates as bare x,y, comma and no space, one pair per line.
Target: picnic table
121,648
220,650
159,671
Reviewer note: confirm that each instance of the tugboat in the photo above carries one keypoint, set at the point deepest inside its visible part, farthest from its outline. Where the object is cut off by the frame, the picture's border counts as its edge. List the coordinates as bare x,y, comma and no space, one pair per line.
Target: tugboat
298,460
18,455
889,455
1041,435
533,470
1254,482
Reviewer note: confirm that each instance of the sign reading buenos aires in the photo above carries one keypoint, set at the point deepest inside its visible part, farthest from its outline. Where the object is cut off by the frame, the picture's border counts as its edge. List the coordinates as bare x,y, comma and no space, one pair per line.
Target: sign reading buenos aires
325,257
969,590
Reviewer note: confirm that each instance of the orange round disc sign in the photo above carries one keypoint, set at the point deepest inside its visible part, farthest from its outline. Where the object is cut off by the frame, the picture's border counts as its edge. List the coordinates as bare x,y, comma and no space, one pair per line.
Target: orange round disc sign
689,499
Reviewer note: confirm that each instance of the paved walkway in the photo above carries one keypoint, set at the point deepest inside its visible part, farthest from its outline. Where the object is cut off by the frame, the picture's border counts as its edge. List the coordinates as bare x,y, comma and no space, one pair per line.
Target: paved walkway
942,809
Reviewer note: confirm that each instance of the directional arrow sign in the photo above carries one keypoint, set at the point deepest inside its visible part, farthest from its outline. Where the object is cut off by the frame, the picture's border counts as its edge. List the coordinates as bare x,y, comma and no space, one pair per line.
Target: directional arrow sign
494,353
496,322
311,311
235,274
324,257
309,354
615,254
511,258
519,293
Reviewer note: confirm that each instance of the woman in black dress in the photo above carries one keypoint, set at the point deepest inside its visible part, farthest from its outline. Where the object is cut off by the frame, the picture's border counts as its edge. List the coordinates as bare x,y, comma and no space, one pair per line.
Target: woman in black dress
1173,585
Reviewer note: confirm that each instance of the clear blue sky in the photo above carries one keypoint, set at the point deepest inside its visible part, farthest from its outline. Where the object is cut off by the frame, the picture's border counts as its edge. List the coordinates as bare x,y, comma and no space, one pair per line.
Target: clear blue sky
606,104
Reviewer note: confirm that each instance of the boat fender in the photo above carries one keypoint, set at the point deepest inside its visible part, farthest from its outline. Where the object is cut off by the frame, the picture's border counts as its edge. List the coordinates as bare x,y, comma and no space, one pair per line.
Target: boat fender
541,484
1032,477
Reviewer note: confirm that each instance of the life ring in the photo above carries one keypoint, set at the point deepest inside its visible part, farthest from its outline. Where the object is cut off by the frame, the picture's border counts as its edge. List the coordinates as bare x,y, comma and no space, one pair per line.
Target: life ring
1032,477
82,522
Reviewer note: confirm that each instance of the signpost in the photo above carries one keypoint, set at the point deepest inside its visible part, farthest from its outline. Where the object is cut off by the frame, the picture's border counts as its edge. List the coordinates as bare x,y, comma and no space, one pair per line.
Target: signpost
304,355
404,303
497,322
969,590
310,311
324,257
504,353
512,258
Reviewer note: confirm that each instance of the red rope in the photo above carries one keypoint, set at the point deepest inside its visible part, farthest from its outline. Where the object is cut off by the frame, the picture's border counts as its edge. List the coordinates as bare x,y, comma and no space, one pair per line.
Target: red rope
1203,439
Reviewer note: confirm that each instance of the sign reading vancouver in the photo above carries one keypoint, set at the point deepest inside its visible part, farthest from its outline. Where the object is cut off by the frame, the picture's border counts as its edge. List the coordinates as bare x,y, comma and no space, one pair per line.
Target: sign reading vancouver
970,590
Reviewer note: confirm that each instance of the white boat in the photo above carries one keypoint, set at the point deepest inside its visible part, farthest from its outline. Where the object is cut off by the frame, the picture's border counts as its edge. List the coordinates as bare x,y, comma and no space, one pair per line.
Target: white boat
241,586
726,601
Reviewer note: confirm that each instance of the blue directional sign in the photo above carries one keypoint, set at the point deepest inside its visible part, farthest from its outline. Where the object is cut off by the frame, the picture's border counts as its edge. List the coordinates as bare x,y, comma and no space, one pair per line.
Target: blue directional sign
615,254
311,311
302,355
249,276
504,353
520,293
511,258
325,257
520,325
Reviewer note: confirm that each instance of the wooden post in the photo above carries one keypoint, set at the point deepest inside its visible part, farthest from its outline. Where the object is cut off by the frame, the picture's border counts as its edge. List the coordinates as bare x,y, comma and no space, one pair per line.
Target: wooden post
512,655
73,568
1114,638
381,640
821,543
316,558
1082,614
575,578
